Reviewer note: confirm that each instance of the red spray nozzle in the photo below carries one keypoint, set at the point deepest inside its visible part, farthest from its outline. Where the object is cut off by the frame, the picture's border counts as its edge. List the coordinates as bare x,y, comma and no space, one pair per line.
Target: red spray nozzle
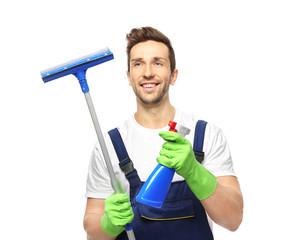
172,126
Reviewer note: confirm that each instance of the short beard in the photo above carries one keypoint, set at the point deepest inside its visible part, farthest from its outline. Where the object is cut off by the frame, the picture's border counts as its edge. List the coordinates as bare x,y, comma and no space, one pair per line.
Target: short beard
157,99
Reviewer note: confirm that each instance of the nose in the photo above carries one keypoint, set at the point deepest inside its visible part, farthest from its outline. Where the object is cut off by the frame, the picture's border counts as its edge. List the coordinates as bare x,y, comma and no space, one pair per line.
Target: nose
148,73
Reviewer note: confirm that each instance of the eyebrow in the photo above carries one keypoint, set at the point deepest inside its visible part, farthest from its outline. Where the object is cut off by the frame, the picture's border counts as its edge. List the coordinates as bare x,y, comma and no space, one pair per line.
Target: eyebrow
154,58
159,58
136,59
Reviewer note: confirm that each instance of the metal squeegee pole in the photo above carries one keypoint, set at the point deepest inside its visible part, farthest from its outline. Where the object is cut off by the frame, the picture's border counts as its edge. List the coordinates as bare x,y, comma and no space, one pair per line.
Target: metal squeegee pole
102,142
98,130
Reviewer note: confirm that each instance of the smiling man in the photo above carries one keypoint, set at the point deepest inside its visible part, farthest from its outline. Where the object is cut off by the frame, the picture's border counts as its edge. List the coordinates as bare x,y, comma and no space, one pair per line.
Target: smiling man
203,190
150,75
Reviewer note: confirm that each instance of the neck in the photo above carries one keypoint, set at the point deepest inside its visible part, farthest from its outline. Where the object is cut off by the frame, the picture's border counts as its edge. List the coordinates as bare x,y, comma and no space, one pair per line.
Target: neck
154,117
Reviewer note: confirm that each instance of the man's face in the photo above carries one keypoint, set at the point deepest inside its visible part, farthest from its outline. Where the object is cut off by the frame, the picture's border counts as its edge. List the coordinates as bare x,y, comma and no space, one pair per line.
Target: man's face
150,72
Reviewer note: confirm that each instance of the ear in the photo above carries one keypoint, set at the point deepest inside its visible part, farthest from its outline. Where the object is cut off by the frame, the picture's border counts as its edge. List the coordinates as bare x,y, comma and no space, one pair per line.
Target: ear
174,77
129,78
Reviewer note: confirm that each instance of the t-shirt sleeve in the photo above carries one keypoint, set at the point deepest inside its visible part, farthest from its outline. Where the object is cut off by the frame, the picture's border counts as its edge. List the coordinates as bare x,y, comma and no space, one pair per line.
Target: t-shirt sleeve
218,159
98,180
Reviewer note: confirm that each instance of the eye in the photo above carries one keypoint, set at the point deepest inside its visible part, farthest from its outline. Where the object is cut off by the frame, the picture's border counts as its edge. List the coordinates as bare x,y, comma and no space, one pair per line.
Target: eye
137,64
158,64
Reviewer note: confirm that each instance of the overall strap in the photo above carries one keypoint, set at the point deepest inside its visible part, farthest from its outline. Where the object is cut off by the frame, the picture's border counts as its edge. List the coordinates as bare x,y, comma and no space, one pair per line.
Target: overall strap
199,139
125,162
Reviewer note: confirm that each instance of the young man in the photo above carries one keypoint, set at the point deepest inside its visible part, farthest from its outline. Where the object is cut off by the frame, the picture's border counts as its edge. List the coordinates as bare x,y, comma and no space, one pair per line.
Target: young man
200,193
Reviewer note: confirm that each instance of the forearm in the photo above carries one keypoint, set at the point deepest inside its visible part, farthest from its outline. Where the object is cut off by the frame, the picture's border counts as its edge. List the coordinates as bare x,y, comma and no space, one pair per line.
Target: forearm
93,228
225,206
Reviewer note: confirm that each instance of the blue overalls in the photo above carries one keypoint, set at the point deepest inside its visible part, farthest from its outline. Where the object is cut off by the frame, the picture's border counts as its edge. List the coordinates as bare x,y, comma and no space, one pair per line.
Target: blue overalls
182,216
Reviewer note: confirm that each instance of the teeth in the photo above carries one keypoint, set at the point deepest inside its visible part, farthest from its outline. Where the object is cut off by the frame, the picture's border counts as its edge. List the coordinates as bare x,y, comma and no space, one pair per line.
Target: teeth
149,85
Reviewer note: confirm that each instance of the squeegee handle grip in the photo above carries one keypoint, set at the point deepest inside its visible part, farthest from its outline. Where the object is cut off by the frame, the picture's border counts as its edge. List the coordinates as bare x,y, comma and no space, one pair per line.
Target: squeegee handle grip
114,183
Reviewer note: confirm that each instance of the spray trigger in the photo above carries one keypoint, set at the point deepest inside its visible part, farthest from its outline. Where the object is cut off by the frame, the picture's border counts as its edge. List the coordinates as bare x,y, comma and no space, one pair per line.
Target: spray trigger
172,126
182,130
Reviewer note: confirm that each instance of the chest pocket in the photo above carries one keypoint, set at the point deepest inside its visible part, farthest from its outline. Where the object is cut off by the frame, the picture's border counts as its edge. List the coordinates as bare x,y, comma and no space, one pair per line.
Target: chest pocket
171,210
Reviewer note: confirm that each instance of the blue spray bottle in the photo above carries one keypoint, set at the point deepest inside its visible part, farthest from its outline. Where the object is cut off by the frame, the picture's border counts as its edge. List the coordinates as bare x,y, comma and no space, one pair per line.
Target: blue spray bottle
155,189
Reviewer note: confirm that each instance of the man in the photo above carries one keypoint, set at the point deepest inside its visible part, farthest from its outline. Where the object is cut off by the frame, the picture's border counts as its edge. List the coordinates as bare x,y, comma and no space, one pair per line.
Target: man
209,191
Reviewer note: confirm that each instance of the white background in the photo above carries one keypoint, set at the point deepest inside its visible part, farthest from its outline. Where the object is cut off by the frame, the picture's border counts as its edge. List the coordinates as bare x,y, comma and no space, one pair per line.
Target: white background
239,67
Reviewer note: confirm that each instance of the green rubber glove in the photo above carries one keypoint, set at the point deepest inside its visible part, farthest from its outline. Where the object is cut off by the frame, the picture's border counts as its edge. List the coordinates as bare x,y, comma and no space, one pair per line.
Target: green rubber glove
118,212
177,153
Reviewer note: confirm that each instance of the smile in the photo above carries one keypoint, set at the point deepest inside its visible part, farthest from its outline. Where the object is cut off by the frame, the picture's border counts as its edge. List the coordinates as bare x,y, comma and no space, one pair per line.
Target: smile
149,85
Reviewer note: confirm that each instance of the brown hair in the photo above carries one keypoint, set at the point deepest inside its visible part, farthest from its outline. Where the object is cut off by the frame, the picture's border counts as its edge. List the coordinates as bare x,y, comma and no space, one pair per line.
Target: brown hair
144,34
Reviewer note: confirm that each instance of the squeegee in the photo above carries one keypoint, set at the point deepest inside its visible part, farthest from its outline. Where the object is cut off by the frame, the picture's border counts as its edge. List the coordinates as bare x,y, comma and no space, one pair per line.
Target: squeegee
78,68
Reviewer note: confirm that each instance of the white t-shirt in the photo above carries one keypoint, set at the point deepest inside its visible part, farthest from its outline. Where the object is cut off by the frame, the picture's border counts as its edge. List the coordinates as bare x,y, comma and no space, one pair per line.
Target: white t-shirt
143,146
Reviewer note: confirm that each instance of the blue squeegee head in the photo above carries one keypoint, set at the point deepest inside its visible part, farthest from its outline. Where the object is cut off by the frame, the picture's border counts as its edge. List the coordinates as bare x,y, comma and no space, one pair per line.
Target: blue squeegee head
77,65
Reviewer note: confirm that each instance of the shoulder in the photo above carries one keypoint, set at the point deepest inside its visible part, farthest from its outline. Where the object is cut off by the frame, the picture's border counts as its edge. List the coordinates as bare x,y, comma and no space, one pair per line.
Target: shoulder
125,126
